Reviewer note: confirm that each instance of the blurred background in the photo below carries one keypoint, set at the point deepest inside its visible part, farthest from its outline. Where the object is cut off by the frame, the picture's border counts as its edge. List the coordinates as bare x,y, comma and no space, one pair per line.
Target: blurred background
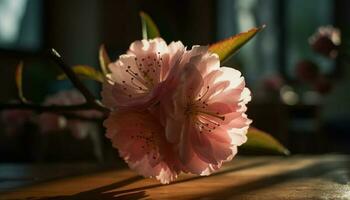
297,68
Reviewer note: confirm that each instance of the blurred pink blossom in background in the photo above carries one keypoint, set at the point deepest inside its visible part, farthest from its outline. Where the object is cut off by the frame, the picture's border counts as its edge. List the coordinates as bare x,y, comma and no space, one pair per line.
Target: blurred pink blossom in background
49,122
15,120
326,41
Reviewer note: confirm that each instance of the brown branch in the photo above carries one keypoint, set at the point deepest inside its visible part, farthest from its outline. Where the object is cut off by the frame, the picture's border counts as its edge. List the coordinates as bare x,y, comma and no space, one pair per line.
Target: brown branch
77,83
64,110
79,117
67,110
45,108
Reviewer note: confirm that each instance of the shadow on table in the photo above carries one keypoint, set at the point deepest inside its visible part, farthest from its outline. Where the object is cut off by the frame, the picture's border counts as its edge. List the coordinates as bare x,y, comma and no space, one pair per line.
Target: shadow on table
315,170
102,193
323,168
233,169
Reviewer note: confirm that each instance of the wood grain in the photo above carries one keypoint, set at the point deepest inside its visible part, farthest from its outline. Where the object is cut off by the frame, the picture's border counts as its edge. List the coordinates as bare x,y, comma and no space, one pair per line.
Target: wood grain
295,177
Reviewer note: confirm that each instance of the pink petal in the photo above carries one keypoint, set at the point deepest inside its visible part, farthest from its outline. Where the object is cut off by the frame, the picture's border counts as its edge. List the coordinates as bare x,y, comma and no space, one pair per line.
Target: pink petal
214,146
141,142
192,81
107,97
194,160
203,148
185,149
209,63
173,130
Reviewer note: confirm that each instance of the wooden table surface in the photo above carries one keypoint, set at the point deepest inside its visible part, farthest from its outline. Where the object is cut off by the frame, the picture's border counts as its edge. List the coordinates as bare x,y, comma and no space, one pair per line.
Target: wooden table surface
295,177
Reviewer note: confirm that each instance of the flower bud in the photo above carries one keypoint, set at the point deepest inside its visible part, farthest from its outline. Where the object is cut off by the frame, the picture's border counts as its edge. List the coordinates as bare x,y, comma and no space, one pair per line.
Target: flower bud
326,41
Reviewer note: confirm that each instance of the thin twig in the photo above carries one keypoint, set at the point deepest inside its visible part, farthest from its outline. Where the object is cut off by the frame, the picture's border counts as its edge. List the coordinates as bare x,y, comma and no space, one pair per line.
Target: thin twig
65,110
77,83
80,117
45,108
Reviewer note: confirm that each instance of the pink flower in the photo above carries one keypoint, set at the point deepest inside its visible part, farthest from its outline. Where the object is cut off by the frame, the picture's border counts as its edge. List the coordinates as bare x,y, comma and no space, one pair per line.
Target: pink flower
138,78
140,140
191,120
205,114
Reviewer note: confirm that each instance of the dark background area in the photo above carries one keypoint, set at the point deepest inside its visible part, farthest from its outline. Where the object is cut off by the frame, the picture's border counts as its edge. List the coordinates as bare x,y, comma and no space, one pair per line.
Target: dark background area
77,28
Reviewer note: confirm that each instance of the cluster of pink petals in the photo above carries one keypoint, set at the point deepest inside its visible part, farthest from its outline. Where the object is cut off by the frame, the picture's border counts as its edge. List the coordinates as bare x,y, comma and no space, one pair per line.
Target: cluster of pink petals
174,110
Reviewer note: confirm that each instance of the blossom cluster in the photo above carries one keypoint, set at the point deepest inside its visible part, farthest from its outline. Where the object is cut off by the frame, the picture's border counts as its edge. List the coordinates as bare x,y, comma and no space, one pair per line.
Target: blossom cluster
174,109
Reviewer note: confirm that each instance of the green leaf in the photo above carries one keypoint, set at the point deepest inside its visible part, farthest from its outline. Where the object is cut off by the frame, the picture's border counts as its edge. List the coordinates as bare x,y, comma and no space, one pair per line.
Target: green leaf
229,46
149,28
85,71
261,142
19,80
104,59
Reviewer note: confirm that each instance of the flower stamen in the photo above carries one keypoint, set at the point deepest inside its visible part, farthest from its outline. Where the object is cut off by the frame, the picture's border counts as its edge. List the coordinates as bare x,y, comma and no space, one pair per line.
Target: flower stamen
201,96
